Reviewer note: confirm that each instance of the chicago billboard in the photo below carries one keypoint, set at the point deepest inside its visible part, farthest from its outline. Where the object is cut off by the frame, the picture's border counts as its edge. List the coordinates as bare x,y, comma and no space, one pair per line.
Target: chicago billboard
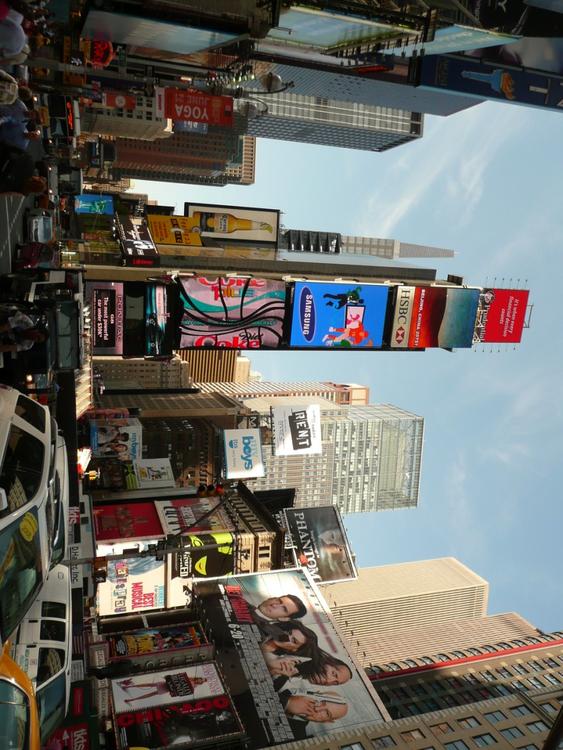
243,453
434,316
501,316
338,315
320,544
297,430
289,671
231,312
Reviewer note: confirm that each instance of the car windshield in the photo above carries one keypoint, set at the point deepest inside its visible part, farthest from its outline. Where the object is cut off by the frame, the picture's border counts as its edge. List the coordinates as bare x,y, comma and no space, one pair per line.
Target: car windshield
20,570
14,717
59,537
21,472
51,703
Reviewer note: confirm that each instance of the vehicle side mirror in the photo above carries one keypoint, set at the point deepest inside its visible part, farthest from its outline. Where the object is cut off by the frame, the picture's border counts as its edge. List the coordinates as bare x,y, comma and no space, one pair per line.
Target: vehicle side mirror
3,499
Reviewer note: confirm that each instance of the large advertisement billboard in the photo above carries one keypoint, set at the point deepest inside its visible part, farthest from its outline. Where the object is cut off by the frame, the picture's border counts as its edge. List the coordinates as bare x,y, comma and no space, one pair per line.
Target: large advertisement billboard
338,315
226,224
434,316
137,246
231,312
194,106
501,316
192,514
141,643
116,438
132,584
243,453
115,522
320,544
106,306
288,670
209,556
297,430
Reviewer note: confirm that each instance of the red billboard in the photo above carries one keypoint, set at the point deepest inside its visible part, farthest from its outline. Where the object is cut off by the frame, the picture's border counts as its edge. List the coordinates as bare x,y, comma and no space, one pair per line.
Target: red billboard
501,316
194,106
131,521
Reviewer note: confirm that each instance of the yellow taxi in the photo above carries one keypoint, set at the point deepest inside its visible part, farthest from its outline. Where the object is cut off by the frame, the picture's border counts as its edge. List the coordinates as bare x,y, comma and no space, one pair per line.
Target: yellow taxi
19,719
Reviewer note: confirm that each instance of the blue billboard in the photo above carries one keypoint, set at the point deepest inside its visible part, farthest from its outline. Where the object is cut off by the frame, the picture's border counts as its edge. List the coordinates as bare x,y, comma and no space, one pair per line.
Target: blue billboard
344,315
473,77
92,203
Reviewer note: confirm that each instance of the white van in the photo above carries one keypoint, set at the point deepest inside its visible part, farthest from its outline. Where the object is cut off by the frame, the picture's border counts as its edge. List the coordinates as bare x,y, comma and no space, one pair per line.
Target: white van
42,647
27,450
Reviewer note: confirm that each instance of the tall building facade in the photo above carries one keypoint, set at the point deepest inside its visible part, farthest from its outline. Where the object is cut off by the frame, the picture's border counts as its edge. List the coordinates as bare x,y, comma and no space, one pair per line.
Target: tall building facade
370,460
392,249
142,123
392,598
329,122
339,393
214,365
137,372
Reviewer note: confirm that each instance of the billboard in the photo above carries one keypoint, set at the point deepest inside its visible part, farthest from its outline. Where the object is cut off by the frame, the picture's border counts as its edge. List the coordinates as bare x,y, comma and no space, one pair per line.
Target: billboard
154,640
227,224
106,309
118,100
191,723
181,515
320,544
194,106
136,243
238,313
342,315
116,438
114,522
297,430
289,671
304,241
500,316
156,318
209,556
434,316
454,38
243,454
92,203
494,80
132,585
152,689
153,472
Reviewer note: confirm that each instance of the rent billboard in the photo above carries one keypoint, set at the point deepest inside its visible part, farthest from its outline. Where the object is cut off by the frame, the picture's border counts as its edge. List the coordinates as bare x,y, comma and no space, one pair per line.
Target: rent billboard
297,430
338,315
231,312
106,305
434,316
501,316
243,453
289,671
320,544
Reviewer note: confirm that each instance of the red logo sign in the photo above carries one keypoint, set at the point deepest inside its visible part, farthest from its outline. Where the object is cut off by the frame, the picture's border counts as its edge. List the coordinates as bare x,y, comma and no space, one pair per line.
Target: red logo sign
190,106
118,100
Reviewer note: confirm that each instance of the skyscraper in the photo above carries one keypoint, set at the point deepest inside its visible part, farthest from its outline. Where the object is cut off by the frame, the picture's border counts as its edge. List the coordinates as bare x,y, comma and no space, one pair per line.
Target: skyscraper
390,598
392,249
339,393
370,459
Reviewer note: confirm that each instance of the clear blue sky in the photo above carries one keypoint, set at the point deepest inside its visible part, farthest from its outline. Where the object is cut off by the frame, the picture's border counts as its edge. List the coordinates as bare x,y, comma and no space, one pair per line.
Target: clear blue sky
486,183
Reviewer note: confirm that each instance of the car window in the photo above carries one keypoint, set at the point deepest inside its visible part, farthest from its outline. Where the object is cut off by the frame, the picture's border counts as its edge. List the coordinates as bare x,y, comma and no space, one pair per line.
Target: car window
52,630
31,412
49,663
51,704
22,468
53,609
14,717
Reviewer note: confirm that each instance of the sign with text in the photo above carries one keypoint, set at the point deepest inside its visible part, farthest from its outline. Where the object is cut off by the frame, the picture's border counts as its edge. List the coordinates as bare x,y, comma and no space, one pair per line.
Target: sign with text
192,514
297,430
230,224
117,522
136,243
195,106
106,306
205,556
133,584
501,316
243,454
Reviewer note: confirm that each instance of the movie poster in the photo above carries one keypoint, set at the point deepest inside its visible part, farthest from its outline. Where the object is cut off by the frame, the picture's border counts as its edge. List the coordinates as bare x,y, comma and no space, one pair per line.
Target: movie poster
116,438
133,584
192,514
233,312
286,666
208,556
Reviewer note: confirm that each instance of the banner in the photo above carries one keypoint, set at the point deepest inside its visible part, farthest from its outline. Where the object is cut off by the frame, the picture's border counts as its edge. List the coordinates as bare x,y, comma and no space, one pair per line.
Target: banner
154,472
136,243
320,544
297,430
116,522
209,556
182,515
154,640
338,315
231,312
501,316
226,224
194,106
174,230
190,723
106,308
116,438
92,203
156,689
289,671
243,454
434,316
118,100
132,585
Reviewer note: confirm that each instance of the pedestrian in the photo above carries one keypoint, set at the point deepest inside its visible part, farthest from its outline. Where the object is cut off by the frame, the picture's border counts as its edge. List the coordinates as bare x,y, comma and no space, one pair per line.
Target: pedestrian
19,333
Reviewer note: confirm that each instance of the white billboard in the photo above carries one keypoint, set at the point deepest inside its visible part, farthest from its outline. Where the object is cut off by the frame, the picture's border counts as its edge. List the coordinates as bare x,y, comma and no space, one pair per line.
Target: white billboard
297,430
243,454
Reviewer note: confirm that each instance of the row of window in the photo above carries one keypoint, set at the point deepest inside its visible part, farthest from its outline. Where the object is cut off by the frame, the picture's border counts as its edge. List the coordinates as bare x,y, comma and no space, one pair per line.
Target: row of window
394,666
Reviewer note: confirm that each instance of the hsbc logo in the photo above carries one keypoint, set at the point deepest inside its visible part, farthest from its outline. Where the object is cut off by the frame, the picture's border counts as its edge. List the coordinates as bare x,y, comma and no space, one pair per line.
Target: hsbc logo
400,335
402,317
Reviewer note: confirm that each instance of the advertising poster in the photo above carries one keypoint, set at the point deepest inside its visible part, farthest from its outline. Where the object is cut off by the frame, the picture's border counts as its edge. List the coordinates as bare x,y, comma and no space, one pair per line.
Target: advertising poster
501,316
227,224
190,723
190,106
92,203
494,80
80,724
338,315
231,312
156,318
182,515
209,556
243,454
116,438
320,543
154,640
287,668
106,309
156,689
115,522
174,230
136,243
154,472
297,430
132,585
435,316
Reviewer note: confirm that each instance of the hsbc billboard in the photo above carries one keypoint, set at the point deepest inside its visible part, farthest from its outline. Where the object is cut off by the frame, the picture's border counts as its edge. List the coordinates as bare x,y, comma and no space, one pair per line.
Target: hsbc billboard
402,317
193,106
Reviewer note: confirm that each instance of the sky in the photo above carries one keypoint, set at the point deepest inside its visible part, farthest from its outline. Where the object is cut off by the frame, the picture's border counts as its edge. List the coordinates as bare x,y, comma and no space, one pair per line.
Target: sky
486,183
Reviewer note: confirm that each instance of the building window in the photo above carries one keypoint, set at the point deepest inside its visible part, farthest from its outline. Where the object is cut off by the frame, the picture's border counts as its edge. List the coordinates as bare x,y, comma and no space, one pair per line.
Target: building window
504,672
482,740
489,676
353,746
537,726
385,741
393,666
549,708
473,651
489,649
456,745
443,657
528,747
410,663
552,678
443,728
511,733
520,710
536,666
495,716
468,722
534,682
426,660
412,735
458,654
519,668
